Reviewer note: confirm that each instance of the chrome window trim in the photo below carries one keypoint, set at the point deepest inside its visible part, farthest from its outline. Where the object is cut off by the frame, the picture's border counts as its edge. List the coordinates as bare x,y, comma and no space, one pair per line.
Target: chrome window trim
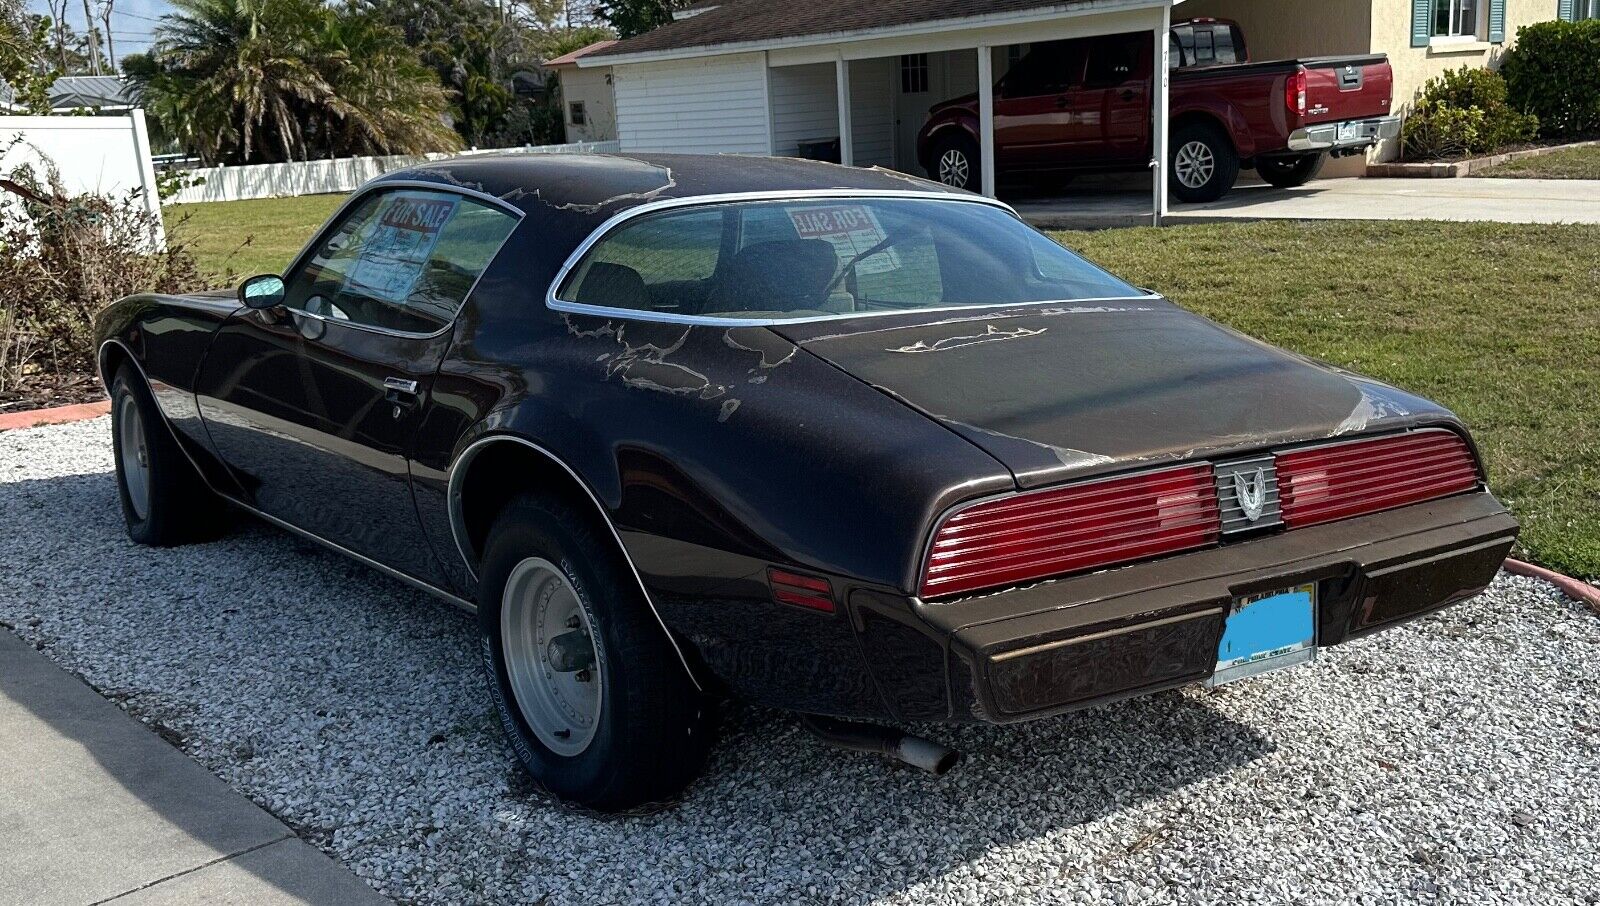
458,528
555,303
334,546
380,185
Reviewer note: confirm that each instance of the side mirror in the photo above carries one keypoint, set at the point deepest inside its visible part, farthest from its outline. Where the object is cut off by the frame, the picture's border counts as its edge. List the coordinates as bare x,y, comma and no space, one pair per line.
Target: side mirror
262,292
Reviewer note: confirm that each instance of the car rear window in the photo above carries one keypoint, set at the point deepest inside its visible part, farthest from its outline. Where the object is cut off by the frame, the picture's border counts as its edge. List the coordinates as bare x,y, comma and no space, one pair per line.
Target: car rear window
813,258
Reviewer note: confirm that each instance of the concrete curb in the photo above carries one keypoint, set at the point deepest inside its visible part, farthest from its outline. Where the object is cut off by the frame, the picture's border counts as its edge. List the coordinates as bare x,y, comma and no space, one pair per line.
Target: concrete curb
1465,167
1575,589
59,415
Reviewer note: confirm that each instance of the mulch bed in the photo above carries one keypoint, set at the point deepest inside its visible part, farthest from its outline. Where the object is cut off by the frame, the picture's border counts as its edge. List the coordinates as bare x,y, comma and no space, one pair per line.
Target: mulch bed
48,391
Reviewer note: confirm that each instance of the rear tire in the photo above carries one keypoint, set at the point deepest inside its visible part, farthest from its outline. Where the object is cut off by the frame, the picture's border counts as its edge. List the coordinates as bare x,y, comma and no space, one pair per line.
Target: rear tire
955,162
165,502
1288,172
1202,164
627,730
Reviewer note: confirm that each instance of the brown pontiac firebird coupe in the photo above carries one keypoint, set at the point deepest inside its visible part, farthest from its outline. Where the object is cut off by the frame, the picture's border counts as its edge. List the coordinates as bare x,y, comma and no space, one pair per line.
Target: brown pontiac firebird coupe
832,440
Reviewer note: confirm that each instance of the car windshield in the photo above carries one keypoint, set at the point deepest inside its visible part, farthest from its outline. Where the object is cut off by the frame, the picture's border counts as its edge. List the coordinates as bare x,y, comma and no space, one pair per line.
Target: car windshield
816,258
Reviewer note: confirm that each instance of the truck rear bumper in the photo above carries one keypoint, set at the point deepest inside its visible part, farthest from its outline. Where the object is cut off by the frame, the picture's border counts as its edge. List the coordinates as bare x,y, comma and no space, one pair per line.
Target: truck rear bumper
1350,134
1084,640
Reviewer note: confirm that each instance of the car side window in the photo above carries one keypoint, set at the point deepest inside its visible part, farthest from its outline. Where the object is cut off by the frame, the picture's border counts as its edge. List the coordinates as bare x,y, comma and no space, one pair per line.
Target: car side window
1113,60
401,260
1048,68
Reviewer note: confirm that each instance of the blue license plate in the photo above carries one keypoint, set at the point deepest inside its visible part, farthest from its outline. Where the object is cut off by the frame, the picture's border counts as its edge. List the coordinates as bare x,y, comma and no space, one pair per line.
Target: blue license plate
1267,632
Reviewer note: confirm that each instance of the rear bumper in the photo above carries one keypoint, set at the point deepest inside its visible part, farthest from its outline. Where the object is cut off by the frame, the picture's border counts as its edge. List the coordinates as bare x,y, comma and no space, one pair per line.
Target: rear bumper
1325,136
1081,641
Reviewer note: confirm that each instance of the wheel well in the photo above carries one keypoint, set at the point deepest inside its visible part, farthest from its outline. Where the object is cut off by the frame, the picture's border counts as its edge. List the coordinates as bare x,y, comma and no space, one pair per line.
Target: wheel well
1196,118
112,355
495,473
936,135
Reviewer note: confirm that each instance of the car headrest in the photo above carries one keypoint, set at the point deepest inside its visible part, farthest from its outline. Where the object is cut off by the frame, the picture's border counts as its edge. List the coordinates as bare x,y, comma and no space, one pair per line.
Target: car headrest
614,286
783,275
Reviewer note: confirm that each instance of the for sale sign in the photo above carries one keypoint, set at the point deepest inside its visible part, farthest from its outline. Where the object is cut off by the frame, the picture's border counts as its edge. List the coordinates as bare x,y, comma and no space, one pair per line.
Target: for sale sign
392,258
851,229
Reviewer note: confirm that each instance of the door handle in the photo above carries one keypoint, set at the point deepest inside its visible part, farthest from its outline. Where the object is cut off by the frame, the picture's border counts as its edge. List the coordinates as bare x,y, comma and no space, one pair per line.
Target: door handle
400,394
1127,94
1061,103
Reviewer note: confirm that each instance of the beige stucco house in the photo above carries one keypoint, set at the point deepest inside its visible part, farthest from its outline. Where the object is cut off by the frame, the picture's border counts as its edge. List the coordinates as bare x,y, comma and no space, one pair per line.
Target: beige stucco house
1423,38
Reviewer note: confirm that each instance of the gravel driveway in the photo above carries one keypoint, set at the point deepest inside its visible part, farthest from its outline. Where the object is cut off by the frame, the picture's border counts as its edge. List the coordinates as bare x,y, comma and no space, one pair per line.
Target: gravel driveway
1454,760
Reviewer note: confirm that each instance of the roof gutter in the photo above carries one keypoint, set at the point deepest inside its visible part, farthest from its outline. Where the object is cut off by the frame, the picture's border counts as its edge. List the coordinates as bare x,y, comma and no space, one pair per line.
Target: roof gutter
911,29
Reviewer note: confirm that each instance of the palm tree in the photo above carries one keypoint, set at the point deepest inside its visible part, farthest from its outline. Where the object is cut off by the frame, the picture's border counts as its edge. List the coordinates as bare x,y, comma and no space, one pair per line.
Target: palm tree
248,81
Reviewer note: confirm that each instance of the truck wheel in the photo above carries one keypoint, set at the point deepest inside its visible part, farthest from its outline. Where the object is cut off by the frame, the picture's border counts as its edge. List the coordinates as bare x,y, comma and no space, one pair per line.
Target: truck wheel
164,500
590,692
1288,172
955,162
1203,164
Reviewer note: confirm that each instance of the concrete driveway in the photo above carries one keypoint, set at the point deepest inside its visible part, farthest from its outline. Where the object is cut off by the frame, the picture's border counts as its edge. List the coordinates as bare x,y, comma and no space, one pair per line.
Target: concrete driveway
1123,201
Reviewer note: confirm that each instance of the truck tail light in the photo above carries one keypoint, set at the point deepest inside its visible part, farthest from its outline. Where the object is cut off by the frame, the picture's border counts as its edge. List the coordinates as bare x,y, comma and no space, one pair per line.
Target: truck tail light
1337,481
1294,92
810,592
1040,534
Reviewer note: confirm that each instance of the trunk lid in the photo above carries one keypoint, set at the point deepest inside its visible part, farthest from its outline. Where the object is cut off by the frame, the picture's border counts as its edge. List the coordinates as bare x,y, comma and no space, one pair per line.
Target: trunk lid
1061,390
1347,88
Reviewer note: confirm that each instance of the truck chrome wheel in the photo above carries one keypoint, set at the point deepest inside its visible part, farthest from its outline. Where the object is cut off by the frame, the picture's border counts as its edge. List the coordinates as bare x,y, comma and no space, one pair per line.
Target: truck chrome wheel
954,168
134,455
1194,164
550,656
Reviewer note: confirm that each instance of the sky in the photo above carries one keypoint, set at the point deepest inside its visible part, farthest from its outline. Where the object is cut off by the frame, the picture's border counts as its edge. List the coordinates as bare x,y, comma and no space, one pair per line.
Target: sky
131,21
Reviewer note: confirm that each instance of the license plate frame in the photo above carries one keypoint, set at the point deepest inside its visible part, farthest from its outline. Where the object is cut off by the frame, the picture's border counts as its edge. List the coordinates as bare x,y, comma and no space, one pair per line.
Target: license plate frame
1351,131
1266,632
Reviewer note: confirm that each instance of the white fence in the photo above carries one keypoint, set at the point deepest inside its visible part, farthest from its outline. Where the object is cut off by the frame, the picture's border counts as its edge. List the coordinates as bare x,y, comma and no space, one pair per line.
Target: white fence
104,155
317,177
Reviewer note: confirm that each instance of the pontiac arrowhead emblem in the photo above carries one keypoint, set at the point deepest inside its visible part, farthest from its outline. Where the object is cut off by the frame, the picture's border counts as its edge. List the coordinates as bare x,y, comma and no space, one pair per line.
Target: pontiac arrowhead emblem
1251,492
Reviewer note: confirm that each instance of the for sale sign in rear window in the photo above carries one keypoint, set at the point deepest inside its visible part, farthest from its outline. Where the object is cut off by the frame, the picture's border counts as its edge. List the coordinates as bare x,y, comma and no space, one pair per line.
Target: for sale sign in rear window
851,229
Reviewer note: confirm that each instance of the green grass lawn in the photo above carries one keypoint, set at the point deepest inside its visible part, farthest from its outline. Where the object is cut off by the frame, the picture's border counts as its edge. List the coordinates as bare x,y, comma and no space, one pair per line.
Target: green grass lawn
243,238
1499,322
1570,163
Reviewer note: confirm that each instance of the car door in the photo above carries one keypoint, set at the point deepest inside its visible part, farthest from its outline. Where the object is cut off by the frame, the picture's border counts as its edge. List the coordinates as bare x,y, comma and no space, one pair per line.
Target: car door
313,404
1116,83
1032,116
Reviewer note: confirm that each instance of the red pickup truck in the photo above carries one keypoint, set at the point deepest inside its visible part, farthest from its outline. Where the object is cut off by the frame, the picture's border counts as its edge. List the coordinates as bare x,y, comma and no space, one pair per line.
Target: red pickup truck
1084,105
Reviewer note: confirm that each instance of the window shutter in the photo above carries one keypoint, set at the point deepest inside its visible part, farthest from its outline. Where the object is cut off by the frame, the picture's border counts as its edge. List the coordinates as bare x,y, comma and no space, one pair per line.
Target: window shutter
1422,21
1564,10
1497,21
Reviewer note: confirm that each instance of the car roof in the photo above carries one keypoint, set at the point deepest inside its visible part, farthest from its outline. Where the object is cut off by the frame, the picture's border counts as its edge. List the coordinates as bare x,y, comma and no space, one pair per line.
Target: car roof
599,186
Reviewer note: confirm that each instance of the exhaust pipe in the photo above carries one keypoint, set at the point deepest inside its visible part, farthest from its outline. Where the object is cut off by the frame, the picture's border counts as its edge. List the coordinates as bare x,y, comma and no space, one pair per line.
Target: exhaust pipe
903,747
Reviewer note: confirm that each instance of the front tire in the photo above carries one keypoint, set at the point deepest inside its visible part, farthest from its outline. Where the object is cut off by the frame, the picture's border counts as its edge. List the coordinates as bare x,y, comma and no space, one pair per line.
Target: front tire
1202,163
955,162
590,692
1288,172
164,500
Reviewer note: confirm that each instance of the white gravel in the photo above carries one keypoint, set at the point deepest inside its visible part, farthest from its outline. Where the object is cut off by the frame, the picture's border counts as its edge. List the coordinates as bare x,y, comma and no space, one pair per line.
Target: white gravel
1455,760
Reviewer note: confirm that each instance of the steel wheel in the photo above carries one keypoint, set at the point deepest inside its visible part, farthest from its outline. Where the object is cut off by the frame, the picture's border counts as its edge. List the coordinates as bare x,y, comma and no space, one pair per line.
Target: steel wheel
134,455
550,656
954,168
1194,164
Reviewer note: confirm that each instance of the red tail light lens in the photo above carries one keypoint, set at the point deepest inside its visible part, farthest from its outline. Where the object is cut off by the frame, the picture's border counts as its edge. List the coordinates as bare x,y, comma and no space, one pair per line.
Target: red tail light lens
1294,92
1337,481
1062,530
809,592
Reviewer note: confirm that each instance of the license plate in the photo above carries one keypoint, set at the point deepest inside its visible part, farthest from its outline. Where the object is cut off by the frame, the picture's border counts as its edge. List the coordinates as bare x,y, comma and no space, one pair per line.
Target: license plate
1266,632
1349,132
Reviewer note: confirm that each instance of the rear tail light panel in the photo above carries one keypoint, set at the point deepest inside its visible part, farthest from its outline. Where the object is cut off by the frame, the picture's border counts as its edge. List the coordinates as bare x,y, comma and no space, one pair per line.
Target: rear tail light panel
1039,534
1352,478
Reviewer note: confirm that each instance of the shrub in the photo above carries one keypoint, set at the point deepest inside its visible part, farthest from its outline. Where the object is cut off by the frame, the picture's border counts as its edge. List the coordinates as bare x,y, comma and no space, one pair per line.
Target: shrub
65,257
1553,72
1464,111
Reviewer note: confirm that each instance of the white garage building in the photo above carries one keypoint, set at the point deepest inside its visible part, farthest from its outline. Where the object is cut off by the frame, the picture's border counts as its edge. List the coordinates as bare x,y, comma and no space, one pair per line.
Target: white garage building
766,76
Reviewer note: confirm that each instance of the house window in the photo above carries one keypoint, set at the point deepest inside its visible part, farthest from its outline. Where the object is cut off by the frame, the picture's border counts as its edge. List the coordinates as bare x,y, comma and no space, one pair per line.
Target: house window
1455,18
1586,9
914,73
575,114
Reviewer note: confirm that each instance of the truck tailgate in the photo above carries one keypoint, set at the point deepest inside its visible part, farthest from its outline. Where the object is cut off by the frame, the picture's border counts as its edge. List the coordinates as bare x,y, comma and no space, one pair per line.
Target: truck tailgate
1347,88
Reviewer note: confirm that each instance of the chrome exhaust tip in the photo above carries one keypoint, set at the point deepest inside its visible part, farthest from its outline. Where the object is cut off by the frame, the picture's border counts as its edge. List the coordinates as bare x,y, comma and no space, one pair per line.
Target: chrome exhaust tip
923,754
